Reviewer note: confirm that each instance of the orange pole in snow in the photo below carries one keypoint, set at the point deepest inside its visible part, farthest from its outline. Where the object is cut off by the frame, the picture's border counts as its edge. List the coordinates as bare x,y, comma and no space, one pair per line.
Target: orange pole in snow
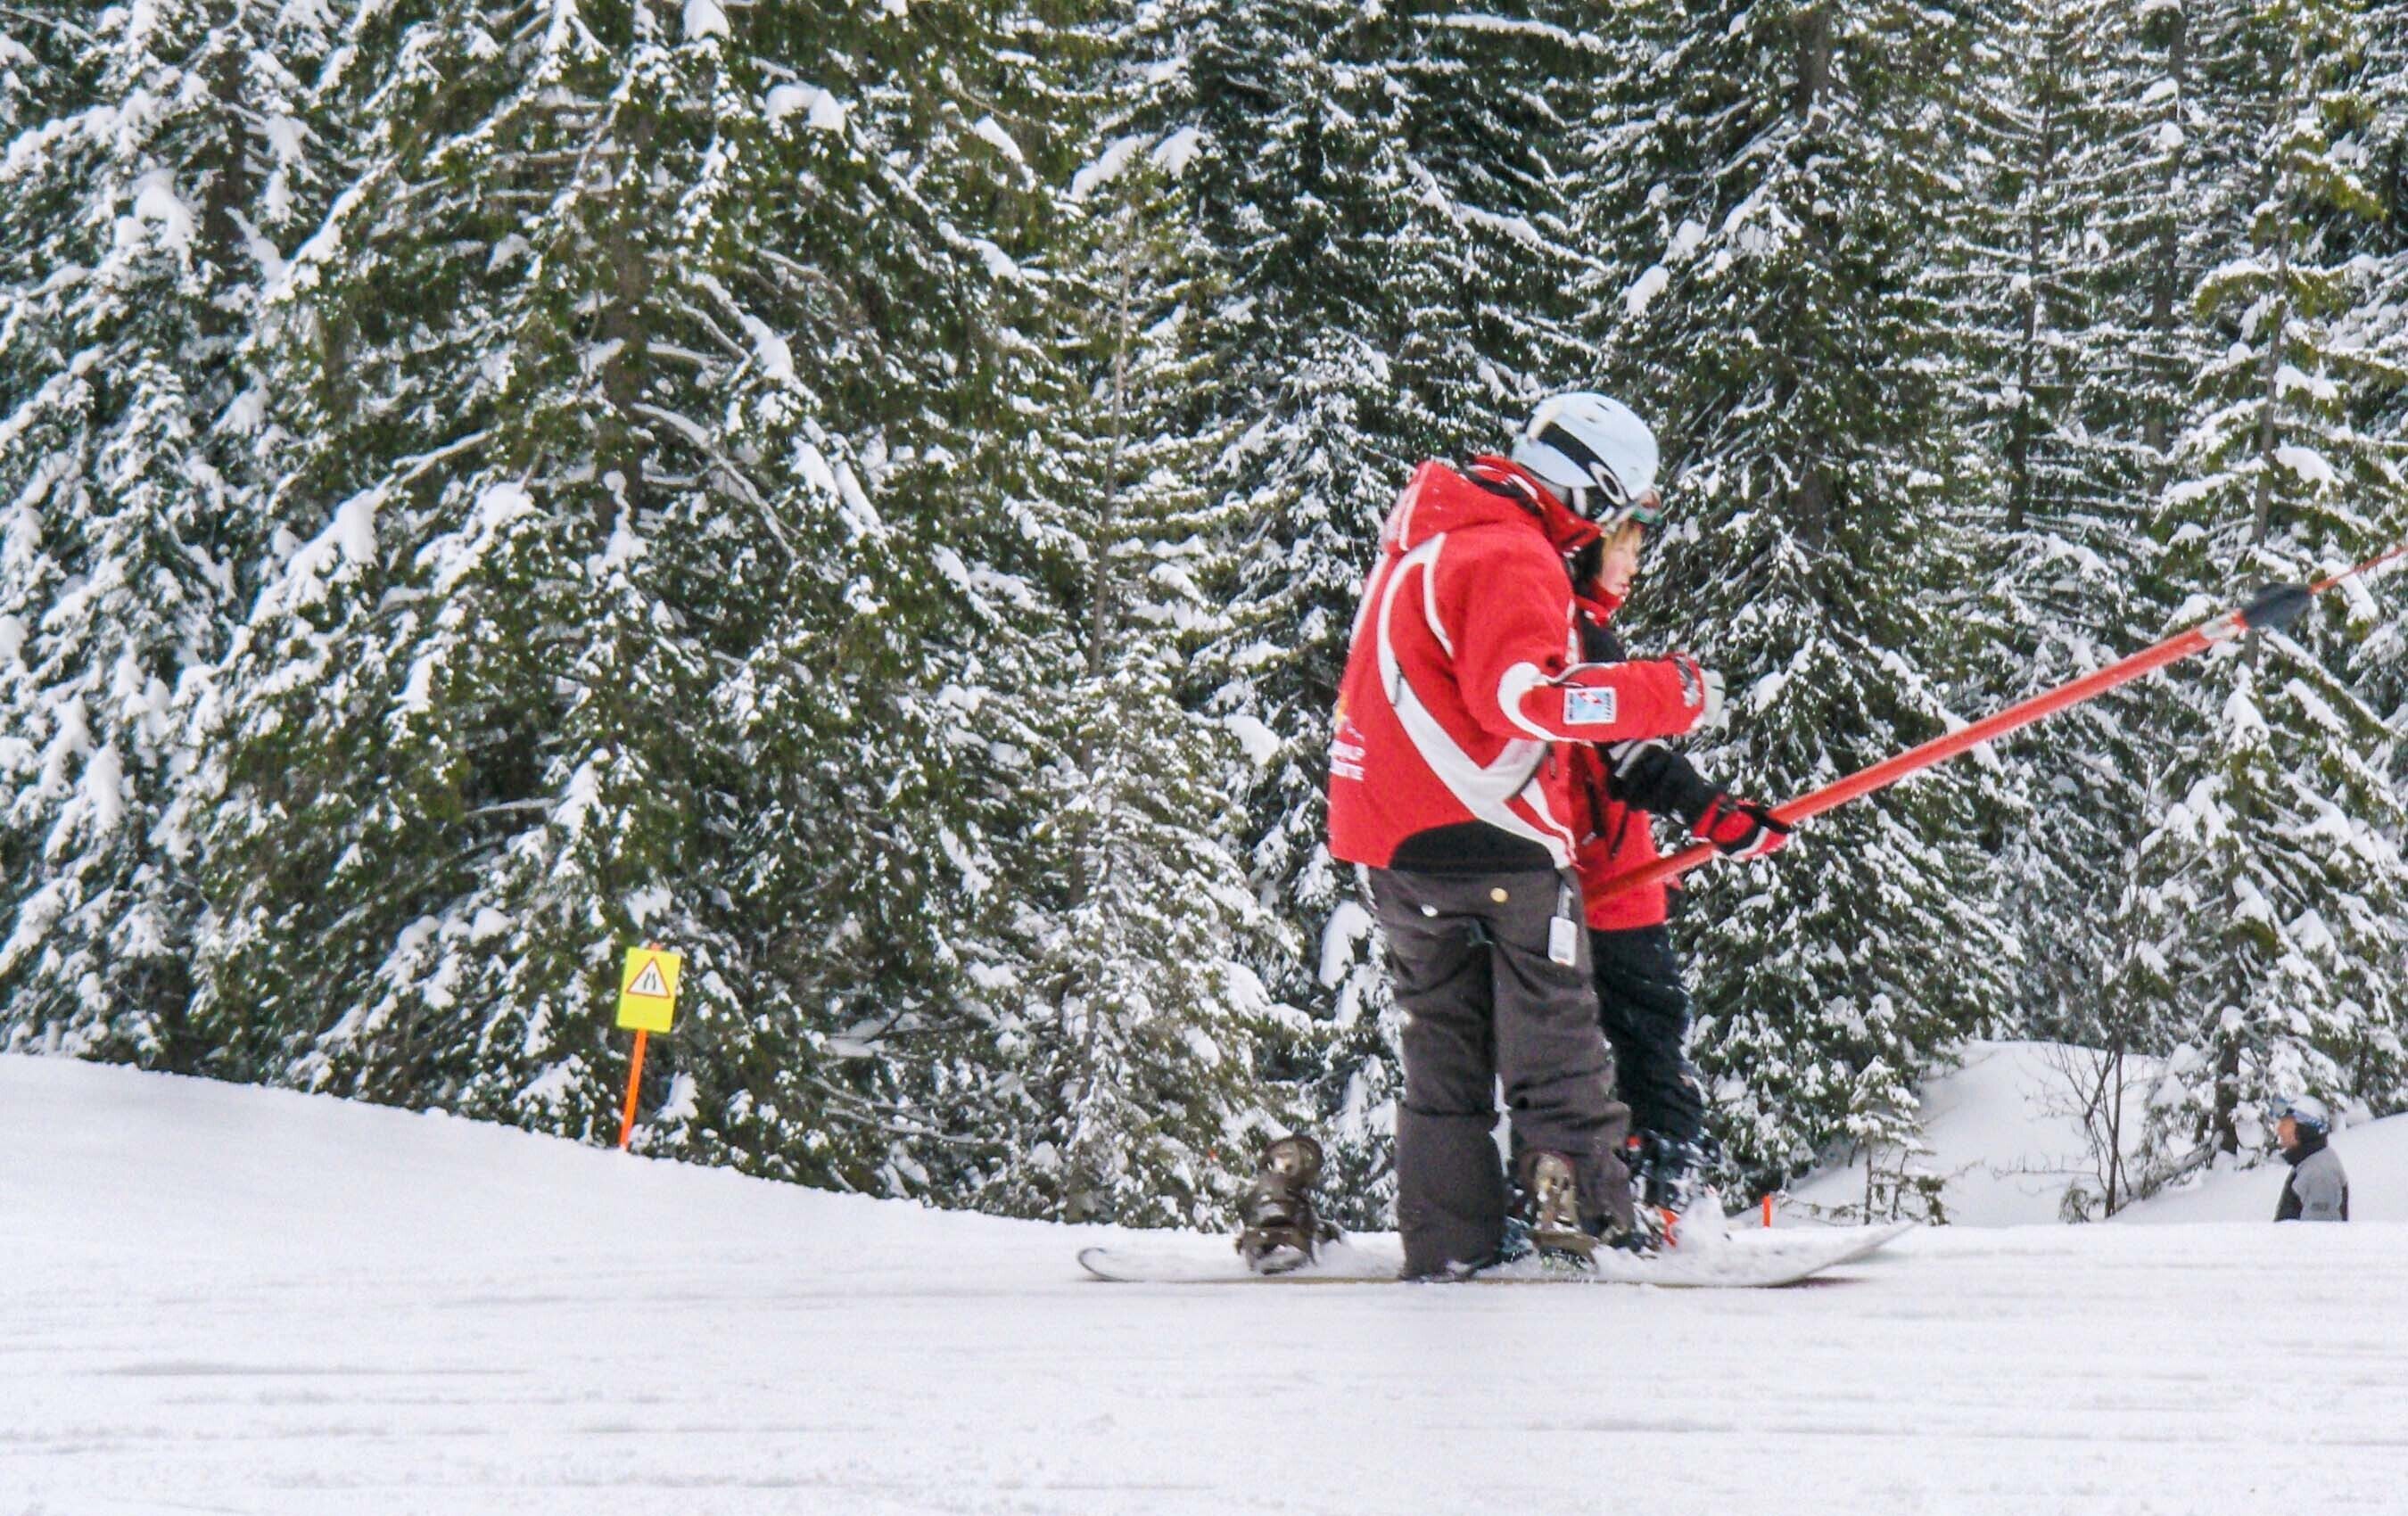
1768,1208
634,1083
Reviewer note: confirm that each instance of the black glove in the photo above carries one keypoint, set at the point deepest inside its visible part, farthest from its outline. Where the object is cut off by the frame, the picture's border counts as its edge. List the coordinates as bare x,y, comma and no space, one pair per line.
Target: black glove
1652,776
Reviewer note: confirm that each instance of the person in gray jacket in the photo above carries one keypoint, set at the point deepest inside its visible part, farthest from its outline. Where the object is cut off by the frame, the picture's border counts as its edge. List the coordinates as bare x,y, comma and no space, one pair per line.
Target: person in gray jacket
2317,1190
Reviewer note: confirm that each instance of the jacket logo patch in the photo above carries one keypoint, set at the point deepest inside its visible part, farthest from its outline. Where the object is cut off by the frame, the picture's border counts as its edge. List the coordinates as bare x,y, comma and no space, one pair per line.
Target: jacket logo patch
1346,760
1588,707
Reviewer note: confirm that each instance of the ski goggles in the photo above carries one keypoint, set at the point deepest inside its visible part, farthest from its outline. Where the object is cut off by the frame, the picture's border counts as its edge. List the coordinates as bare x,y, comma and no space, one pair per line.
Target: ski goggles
1647,511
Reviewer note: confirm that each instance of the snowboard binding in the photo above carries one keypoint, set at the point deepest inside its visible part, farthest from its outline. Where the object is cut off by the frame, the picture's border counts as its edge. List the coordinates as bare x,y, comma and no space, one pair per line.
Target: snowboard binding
1550,1224
1279,1229
1555,1228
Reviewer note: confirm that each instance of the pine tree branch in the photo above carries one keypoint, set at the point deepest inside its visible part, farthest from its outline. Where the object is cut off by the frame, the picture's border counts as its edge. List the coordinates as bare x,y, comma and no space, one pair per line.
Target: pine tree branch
726,469
878,1114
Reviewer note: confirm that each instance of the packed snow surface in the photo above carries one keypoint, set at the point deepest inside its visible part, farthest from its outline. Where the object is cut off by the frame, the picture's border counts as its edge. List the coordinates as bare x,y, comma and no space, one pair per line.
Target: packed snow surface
232,1299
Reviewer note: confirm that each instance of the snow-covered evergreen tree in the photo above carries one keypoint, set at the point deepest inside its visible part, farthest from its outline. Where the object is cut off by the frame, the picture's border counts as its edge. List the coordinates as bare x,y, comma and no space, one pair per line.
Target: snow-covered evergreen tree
2028,252
1145,963
2160,219
2273,873
2162,212
463,753
1787,170
2058,510
2377,144
911,693
137,229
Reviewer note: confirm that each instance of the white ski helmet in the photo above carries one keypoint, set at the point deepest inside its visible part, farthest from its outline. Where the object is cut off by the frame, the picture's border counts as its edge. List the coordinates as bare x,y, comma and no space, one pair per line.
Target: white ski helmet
1597,454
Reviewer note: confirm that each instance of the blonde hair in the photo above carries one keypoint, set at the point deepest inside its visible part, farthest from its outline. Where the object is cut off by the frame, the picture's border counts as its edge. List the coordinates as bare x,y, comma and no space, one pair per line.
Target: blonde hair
1628,535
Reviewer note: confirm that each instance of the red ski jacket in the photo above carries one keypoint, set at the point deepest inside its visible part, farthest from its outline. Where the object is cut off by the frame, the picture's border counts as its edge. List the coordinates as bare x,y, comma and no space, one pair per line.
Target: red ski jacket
1616,837
1464,680
1617,793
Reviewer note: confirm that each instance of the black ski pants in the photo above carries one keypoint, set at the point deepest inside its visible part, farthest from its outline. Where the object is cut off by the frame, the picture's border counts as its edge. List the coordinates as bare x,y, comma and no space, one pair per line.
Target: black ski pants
1645,1011
1482,999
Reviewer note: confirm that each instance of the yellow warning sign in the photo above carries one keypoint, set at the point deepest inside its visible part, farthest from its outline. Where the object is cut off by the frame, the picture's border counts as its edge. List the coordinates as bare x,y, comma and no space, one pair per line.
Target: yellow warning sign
648,989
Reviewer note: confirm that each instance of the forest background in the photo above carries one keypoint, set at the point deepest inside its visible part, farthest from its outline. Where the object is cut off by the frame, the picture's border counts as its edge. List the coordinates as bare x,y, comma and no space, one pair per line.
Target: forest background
872,492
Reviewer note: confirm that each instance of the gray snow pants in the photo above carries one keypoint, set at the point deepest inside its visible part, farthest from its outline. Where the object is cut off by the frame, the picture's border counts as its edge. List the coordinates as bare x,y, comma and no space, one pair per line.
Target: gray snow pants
1482,1000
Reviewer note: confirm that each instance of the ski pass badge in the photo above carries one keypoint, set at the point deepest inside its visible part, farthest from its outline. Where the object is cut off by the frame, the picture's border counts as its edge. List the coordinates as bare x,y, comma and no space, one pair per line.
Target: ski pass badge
1589,708
1563,941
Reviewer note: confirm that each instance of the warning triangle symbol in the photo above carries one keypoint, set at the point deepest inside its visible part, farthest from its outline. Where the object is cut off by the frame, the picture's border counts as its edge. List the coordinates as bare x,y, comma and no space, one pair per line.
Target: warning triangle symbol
650,981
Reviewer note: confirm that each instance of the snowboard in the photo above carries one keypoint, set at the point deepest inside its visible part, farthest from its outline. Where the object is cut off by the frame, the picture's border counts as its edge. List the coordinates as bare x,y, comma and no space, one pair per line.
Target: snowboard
1742,1260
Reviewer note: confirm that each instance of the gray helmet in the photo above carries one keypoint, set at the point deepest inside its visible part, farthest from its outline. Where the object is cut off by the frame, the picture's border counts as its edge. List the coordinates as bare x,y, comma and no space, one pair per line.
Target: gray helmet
2306,1112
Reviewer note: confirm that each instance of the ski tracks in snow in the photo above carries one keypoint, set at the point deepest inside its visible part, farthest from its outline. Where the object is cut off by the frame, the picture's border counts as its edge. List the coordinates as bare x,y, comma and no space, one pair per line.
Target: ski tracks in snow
248,1301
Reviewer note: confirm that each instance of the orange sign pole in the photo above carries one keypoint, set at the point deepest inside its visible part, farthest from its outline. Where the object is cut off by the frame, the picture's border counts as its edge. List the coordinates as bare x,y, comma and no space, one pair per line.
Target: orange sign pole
647,986
1767,1196
634,1083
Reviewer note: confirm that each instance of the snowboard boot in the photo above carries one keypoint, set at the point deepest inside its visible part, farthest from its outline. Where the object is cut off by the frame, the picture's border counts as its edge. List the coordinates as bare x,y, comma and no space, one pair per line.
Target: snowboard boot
1555,1228
1668,1180
1279,1229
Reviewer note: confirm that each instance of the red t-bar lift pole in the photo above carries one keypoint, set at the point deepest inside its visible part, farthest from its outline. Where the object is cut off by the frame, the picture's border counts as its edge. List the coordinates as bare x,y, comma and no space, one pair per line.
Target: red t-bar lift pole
2276,606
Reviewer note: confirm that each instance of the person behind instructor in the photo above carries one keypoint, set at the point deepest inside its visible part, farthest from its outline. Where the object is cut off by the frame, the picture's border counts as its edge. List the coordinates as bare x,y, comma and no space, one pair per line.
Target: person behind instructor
1617,791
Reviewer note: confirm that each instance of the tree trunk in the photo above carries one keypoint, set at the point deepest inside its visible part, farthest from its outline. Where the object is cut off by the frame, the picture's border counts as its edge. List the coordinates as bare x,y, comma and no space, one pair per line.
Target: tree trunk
1814,58
2225,1125
2026,421
228,182
2166,288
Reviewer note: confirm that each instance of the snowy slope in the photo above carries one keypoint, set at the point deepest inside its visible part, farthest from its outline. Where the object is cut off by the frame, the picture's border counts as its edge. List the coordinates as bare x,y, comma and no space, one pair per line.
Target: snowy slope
2005,1132
2375,1156
236,1300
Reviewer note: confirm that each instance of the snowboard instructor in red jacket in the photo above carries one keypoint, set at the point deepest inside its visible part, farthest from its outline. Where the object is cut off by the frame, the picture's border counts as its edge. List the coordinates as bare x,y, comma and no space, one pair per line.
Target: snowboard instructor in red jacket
1450,783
